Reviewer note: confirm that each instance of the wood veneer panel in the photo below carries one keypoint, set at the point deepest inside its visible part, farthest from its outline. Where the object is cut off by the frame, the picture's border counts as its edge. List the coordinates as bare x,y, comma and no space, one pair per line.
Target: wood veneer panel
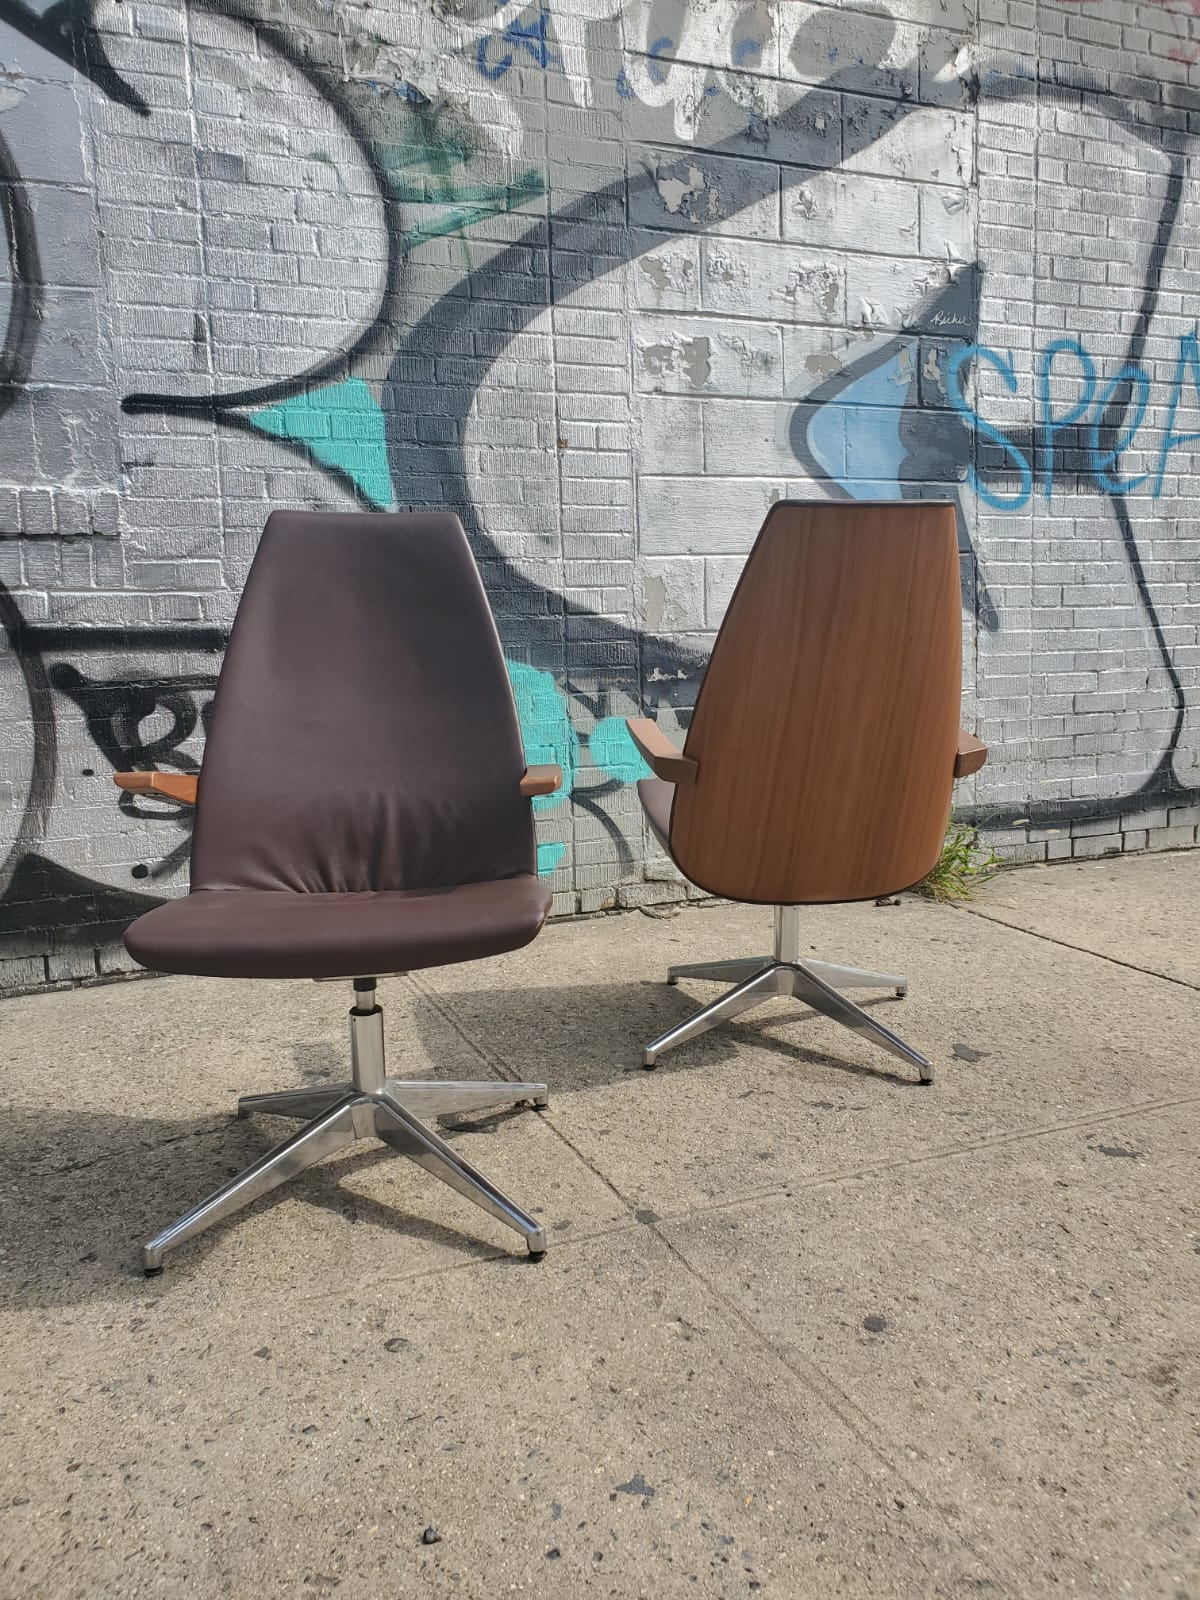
826,728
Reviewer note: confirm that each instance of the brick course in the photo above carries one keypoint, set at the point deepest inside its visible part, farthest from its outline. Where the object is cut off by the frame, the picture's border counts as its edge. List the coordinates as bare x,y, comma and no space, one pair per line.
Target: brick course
609,296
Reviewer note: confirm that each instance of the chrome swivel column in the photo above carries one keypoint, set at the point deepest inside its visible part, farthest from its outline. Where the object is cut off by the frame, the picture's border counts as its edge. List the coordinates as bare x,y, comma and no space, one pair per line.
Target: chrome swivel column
371,1105
816,983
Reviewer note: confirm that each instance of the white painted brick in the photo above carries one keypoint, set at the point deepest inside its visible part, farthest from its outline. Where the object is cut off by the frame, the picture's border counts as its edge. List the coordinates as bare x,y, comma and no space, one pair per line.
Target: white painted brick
666,272
838,211
896,141
747,279
668,434
686,355
748,438
721,574
882,292
703,516
671,594
948,219
696,192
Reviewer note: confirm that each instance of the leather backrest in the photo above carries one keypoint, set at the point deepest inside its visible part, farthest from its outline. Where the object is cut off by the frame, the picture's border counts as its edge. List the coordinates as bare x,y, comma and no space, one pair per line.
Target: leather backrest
364,735
826,726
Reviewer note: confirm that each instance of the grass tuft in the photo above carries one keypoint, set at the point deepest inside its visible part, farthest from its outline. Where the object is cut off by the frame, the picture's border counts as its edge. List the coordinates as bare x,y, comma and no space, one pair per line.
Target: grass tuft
963,867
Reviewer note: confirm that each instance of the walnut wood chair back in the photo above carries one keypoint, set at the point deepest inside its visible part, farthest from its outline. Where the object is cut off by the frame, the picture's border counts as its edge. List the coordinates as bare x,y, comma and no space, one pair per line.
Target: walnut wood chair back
825,731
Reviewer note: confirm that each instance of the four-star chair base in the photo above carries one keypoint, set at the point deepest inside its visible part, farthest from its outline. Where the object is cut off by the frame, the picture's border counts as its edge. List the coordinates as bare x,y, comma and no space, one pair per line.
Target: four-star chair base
816,983
371,1106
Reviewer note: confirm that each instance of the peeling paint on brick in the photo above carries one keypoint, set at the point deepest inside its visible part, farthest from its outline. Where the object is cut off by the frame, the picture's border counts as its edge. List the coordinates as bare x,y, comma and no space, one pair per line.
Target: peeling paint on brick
609,279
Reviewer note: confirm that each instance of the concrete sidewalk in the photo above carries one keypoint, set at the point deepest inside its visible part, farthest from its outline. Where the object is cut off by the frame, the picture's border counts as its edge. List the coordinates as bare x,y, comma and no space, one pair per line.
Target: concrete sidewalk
804,1328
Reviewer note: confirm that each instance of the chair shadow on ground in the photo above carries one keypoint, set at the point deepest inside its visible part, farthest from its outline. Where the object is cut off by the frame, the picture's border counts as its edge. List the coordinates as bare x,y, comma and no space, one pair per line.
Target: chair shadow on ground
86,1202
584,1037
82,1216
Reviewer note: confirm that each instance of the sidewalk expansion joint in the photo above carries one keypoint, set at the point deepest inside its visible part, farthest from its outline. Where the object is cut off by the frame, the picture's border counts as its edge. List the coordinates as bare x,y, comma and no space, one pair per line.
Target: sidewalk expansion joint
1083,949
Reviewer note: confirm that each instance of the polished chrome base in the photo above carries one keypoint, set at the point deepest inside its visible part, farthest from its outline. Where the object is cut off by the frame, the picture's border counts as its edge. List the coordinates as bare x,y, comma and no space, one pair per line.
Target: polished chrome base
372,1105
816,983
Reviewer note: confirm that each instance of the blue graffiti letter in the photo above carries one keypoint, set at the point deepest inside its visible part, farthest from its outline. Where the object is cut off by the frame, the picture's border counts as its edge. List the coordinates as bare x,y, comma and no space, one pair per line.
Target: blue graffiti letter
1189,356
1050,423
654,55
1101,463
501,66
985,429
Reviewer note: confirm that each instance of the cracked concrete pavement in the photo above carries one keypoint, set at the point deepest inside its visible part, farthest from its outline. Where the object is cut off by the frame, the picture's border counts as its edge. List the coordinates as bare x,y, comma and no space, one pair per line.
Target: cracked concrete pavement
804,1327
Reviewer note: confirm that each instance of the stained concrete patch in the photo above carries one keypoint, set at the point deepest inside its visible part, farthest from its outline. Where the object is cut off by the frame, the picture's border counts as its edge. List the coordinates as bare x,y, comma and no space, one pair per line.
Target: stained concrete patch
804,1327
964,1052
1040,1309
602,1408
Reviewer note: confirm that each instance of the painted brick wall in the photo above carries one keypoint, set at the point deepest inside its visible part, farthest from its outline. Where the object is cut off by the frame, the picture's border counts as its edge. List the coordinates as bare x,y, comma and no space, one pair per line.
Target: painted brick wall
608,277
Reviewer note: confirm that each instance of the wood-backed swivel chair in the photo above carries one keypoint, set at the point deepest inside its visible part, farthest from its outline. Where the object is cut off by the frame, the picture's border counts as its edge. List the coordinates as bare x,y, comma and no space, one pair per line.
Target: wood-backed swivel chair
820,757
363,809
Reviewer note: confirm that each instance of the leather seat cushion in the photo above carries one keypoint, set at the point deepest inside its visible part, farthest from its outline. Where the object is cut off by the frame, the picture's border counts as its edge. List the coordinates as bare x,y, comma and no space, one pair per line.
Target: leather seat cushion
252,933
656,796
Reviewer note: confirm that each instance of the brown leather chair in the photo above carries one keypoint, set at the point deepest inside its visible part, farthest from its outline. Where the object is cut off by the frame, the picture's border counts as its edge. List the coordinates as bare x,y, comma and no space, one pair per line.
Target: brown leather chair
820,757
363,809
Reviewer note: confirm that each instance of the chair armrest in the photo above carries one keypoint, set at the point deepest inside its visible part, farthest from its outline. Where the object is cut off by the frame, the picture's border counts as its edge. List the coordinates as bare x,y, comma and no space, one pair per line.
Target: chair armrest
541,780
182,786
659,754
971,754
179,786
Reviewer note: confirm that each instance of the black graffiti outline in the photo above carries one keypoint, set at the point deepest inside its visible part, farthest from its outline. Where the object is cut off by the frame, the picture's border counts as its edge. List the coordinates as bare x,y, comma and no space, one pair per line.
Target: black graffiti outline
32,645
330,367
687,663
59,29
114,709
44,769
25,269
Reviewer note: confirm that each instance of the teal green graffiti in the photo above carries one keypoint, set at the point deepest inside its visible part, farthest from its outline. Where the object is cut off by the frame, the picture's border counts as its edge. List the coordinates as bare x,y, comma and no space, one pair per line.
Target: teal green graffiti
422,173
548,739
548,857
614,752
546,729
342,426
473,203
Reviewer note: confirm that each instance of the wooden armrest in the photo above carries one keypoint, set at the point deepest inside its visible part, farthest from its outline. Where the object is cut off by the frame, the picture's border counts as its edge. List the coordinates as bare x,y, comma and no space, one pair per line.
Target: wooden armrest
659,754
541,780
182,786
972,753
179,786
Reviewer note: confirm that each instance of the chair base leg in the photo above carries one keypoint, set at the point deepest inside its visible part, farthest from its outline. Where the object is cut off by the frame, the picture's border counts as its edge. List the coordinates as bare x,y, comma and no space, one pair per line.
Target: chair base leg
839,977
424,1099
720,971
816,983
752,991
857,978
372,1106
430,1100
302,1103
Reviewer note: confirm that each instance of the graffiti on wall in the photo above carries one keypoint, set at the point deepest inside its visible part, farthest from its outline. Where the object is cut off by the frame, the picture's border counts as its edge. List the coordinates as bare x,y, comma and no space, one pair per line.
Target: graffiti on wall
482,242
